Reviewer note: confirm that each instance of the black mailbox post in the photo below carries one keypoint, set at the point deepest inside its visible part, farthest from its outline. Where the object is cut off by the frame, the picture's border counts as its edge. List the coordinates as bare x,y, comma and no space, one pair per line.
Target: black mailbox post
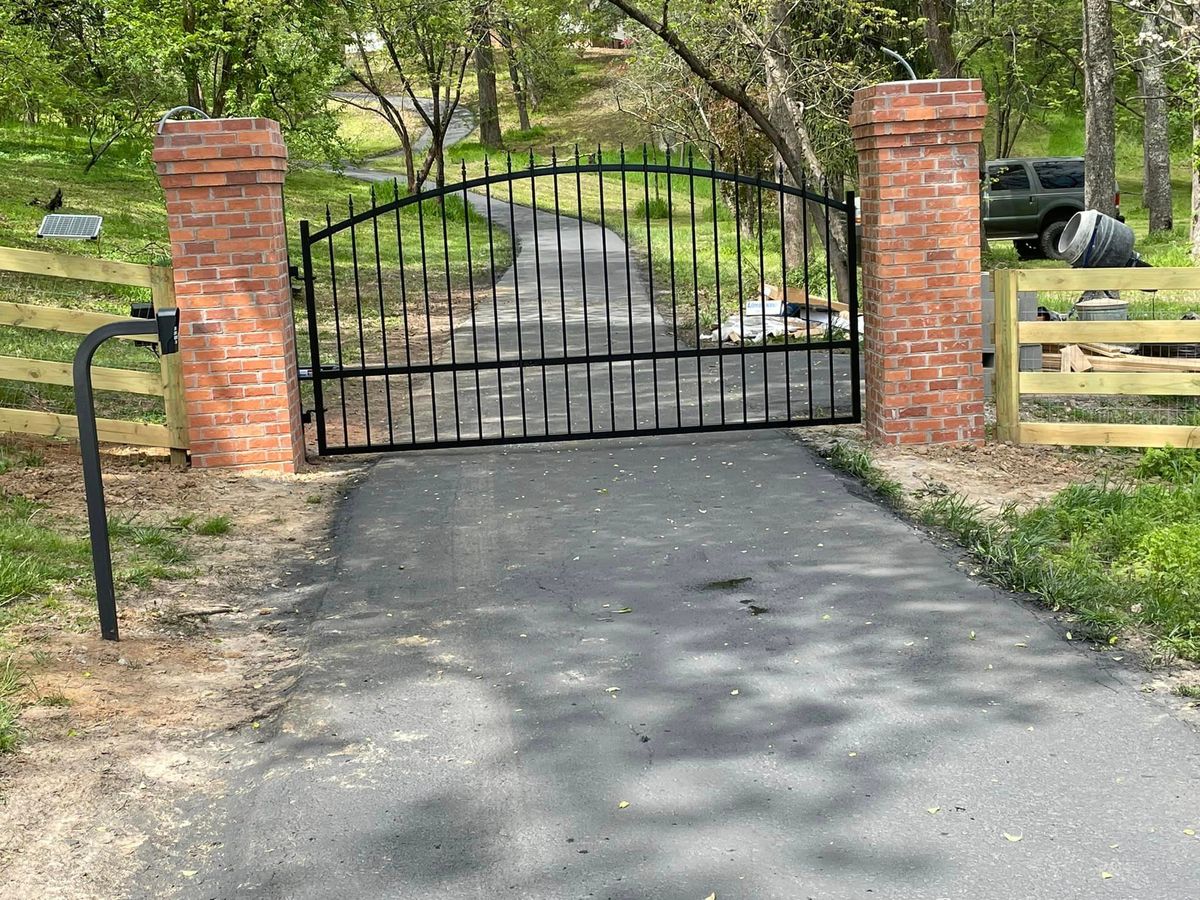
166,325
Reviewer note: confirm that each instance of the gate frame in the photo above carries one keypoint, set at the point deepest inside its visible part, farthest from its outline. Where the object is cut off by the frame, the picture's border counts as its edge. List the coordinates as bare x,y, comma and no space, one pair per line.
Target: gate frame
319,373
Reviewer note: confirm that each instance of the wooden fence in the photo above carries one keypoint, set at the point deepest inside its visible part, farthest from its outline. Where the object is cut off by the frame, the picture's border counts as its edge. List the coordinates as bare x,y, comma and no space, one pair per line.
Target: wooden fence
166,383
1155,379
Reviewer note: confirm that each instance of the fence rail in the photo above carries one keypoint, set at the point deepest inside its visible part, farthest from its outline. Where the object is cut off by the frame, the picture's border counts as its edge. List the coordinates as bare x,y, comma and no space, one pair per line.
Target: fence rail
166,383
1140,376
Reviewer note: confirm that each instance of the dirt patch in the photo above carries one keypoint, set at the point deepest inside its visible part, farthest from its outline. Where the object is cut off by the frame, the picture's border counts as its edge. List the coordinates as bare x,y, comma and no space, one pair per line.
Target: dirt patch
115,734
992,476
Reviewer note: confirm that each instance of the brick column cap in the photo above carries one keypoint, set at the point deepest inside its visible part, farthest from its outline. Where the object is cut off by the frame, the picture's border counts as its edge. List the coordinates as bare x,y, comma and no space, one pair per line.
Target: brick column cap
952,108
216,146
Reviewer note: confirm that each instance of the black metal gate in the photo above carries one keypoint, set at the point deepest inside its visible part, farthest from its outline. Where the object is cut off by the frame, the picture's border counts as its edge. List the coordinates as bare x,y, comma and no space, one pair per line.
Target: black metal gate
603,297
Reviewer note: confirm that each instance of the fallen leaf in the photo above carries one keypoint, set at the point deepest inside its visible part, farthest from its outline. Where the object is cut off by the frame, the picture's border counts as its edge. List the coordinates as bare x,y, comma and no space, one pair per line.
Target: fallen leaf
1189,831
1106,875
625,609
1069,636
933,810
712,896
190,873
624,804
826,617
852,753
1013,837
1113,640
612,690
971,636
734,692
1020,644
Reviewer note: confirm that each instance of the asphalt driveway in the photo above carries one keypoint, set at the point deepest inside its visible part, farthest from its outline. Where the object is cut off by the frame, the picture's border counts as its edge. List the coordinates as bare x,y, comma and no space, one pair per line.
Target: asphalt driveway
775,674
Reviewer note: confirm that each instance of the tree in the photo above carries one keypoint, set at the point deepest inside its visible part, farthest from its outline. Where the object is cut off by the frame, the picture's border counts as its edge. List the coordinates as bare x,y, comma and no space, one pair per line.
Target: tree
1100,138
112,68
939,36
422,47
485,76
790,68
516,77
1156,141
273,58
536,35
1174,42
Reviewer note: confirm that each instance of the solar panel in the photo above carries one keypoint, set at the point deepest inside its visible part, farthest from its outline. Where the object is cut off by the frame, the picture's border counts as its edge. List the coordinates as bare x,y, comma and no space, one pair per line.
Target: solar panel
70,227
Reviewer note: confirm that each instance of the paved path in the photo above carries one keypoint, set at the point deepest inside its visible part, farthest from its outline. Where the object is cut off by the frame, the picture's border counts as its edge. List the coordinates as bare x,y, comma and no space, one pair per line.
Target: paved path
514,642
462,123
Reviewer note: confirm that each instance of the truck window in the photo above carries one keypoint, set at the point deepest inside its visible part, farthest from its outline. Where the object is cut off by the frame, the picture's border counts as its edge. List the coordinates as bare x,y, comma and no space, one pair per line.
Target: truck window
1008,178
1060,174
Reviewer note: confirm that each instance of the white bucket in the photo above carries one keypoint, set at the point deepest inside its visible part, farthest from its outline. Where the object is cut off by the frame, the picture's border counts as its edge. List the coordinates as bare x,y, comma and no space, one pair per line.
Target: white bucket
1102,309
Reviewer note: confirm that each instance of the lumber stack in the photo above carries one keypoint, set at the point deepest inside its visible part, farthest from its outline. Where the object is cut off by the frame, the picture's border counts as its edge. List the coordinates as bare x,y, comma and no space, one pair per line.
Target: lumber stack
1110,358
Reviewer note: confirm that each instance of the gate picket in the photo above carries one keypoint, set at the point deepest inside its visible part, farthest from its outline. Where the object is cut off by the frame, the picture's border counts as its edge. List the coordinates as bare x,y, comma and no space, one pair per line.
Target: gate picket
459,376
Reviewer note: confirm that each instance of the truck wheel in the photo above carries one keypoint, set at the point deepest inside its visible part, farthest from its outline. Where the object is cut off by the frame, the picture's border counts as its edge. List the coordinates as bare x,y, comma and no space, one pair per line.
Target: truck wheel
1049,238
1028,249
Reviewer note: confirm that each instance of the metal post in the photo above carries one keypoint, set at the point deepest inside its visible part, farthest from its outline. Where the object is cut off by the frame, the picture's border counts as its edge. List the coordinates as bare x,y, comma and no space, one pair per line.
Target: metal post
89,448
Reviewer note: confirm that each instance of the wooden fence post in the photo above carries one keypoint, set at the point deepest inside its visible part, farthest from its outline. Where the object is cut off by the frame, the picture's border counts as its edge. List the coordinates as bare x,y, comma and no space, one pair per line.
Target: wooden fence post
162,293
1008,357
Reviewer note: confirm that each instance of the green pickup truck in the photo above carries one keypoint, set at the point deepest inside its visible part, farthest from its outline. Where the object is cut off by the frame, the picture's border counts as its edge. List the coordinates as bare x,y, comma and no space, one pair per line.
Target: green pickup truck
1029,201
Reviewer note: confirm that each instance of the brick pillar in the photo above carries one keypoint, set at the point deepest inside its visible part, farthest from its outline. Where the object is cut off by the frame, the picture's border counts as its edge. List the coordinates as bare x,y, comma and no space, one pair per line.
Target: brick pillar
918,176
223,180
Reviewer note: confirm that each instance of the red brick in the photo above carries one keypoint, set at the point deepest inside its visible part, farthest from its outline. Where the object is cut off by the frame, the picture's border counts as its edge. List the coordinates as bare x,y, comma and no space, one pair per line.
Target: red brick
918,164
223,182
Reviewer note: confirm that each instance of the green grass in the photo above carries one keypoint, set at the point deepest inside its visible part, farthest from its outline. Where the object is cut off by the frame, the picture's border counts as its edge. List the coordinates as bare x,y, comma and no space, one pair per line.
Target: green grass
12,682
367,134
46,561
1116,556
215,526
857,462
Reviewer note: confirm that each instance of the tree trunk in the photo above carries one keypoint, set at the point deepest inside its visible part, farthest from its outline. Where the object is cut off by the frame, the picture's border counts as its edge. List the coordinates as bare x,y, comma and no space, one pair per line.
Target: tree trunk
795,240
1195,157
1099,72
1156,193
938,36
518,86
485,74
